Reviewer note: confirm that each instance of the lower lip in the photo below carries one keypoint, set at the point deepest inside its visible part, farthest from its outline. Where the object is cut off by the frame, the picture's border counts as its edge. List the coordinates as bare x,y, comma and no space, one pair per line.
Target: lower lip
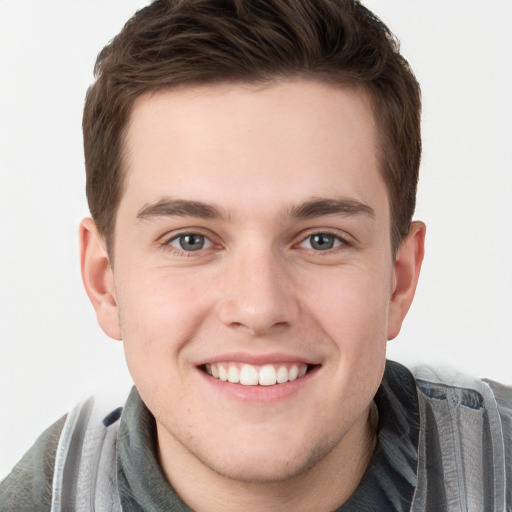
259,394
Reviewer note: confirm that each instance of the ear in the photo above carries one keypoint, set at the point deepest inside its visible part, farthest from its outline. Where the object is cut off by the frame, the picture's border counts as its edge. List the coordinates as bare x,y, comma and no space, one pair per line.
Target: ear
98,278
406,273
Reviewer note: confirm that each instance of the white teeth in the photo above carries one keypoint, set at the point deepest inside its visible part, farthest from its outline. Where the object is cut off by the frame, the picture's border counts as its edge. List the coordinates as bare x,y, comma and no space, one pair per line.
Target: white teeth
223,374
282,375
293,372
233,374
249,375
267,375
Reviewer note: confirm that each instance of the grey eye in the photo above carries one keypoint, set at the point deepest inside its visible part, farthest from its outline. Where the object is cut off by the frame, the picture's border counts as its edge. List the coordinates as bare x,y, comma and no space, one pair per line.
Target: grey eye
321,242
190,242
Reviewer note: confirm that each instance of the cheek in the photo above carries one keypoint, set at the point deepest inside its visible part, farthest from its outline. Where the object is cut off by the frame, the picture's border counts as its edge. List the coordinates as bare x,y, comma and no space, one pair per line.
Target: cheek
352,307
354,317
158,315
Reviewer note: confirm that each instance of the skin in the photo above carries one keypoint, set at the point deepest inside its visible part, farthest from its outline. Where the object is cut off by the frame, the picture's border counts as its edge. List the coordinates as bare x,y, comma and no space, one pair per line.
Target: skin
274,166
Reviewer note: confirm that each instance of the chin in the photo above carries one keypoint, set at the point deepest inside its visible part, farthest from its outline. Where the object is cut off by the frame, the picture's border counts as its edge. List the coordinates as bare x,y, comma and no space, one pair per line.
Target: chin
262,470
267,462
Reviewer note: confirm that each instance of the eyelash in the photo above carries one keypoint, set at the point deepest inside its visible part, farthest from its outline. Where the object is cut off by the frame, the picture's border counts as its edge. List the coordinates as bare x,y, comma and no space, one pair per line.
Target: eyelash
183,252
338,241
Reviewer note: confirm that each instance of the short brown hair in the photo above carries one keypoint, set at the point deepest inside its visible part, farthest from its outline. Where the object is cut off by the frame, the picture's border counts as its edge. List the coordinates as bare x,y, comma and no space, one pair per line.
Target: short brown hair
172,43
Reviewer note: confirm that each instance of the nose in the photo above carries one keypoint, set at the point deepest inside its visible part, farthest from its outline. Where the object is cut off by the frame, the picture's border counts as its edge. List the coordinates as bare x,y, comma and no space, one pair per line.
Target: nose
257,293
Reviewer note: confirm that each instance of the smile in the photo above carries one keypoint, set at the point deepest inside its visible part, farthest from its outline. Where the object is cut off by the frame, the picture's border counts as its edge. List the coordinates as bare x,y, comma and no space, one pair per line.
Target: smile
253,375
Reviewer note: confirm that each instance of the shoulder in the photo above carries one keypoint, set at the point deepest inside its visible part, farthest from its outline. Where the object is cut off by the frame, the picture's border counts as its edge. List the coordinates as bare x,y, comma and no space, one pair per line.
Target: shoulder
463,389
503,395
85,462
29,485
466,437
449,390
68,460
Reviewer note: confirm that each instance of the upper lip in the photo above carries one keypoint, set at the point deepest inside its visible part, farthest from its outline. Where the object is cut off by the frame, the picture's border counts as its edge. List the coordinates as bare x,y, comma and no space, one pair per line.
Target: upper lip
259,359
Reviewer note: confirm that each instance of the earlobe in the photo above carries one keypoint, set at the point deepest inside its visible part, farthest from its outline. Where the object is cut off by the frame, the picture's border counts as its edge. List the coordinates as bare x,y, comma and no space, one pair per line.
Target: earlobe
98,279
407,268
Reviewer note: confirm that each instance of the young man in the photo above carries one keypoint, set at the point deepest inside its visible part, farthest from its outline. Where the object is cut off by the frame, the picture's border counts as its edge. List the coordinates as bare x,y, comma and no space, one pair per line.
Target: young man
251,175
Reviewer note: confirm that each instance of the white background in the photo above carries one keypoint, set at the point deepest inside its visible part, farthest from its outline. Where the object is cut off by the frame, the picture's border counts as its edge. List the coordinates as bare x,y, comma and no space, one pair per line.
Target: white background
52,353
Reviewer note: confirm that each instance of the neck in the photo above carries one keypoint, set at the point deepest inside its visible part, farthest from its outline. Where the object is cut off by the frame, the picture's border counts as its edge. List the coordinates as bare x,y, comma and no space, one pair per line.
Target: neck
324,487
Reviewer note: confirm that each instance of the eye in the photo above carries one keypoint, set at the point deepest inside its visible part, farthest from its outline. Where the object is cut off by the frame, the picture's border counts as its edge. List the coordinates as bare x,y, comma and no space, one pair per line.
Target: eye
321,242
190,242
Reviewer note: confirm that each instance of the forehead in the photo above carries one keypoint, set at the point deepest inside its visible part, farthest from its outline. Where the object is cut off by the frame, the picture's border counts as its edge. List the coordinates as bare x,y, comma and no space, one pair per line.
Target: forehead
244,144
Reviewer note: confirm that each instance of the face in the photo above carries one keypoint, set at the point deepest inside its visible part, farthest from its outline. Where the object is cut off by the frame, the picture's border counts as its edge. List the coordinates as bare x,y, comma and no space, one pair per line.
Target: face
253,282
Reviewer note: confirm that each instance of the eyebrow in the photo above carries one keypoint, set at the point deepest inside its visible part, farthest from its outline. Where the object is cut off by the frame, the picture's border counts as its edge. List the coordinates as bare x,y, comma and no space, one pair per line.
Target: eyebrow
320,207
180,208
309,209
